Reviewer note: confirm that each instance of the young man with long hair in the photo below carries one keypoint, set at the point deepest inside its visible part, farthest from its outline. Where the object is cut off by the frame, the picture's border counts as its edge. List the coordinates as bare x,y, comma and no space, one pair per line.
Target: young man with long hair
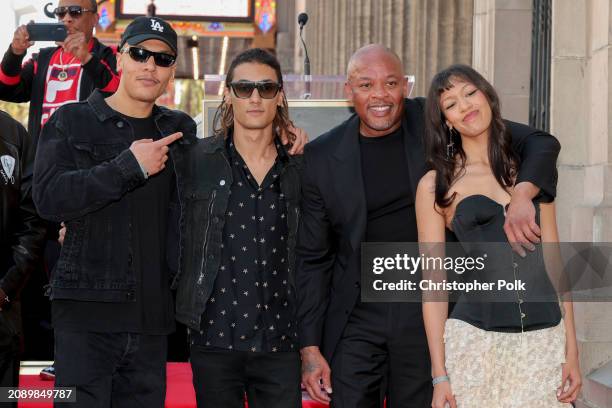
235,287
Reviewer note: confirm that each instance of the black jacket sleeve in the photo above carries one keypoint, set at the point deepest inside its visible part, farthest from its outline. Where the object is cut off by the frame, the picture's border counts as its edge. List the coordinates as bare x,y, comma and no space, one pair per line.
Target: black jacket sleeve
315,259
538,152
62,191
29,237
15,80
103,70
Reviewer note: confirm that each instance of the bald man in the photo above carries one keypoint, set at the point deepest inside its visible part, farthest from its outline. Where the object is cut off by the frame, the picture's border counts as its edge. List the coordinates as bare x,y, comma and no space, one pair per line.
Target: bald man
359,185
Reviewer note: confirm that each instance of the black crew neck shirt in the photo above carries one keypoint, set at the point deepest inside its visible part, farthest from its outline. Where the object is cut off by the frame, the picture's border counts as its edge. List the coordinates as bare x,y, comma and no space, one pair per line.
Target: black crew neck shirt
388,191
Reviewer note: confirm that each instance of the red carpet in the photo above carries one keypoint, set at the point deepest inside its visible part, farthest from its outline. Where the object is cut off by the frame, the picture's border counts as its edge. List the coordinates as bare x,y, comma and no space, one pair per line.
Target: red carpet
180,393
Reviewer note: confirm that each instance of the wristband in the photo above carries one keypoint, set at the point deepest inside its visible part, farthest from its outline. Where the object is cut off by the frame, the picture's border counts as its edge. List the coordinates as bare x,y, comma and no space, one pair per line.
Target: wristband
438,380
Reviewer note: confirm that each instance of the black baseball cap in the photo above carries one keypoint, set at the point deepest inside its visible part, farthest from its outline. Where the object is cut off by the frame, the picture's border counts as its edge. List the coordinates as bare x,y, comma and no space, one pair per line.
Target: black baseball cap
149,28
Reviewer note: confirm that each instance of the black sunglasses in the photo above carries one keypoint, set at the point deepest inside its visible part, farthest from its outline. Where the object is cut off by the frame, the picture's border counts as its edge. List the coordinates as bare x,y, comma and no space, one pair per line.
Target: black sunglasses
161,59
266,89
74,11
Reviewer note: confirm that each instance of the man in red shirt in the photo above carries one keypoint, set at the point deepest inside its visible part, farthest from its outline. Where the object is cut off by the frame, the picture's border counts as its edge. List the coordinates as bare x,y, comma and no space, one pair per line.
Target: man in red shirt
58,75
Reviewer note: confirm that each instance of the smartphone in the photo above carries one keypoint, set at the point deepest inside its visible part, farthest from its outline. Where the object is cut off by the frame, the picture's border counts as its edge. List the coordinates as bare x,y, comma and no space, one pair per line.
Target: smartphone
47,31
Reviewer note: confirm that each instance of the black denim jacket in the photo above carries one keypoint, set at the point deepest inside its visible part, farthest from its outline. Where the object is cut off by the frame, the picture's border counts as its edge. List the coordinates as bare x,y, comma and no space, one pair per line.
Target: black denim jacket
202,205
83,170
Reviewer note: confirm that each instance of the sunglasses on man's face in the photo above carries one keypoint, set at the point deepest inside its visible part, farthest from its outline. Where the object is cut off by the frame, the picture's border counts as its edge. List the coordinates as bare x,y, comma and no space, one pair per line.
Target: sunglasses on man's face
74,11
161,59
244,89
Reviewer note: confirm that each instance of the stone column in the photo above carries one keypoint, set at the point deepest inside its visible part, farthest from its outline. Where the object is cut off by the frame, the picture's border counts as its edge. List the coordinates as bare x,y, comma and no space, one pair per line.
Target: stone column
286,20
502,51
581,114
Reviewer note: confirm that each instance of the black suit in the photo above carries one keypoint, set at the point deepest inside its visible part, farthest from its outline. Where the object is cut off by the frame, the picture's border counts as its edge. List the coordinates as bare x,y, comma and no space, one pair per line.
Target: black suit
334,218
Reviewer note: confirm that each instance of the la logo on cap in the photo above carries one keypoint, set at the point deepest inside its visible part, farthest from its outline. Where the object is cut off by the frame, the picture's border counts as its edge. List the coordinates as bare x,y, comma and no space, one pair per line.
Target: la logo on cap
156,26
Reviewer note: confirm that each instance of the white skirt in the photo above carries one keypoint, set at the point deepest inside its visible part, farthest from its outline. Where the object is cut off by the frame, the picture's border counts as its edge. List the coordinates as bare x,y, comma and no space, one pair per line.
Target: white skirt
504,370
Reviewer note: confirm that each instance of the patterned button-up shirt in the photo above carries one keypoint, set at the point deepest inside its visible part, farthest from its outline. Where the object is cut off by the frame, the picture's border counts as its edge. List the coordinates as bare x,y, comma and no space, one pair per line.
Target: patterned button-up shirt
251,307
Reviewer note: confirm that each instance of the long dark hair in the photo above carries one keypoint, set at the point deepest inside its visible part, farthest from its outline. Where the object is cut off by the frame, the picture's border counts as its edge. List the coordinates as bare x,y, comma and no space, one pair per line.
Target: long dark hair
223,121
502,159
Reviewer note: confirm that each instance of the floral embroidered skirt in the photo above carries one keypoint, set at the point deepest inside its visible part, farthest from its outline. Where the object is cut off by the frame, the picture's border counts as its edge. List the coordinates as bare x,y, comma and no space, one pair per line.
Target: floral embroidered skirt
504,370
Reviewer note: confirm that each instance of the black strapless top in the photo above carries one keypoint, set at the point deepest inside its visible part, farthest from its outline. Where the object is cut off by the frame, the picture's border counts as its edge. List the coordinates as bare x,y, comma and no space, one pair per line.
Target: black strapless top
479,220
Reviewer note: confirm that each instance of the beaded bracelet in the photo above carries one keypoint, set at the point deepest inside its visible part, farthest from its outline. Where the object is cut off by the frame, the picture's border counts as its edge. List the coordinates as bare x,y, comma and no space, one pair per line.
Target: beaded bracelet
440,379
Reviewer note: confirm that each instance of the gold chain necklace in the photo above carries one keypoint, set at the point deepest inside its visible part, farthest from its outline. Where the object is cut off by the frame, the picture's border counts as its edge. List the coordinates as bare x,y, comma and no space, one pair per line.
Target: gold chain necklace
63,75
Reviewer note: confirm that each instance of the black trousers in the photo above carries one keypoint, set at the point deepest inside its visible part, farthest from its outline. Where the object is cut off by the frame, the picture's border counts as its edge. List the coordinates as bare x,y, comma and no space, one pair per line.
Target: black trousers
382,354
10,347
222,377
111,369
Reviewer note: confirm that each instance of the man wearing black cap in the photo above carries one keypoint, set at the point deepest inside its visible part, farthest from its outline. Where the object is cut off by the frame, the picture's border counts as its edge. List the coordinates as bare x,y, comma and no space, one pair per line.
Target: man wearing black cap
106,168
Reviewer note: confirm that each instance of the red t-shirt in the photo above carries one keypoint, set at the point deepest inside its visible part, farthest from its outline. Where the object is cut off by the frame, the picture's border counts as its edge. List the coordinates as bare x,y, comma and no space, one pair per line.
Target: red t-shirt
63,82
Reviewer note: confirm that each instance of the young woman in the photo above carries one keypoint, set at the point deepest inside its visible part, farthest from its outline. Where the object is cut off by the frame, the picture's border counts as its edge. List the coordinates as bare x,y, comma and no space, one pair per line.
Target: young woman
487,354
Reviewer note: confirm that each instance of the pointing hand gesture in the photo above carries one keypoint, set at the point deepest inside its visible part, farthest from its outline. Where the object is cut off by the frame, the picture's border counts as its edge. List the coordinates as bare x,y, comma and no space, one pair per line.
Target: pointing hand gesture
152,155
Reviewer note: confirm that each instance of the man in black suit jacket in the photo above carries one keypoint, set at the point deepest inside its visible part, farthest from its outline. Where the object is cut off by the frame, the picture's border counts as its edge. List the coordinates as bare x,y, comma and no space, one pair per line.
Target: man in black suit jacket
359,186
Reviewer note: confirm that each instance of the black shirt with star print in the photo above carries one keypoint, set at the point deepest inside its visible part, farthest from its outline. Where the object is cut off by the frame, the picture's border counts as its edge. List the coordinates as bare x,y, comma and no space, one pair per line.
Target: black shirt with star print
251,307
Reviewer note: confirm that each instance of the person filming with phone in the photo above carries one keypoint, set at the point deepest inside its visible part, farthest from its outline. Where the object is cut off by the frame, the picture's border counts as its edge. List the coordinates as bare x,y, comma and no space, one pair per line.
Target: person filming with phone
68,72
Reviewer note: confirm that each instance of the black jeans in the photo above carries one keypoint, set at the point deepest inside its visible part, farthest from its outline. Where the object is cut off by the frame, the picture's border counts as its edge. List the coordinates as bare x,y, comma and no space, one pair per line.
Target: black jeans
9,373
382,354
111,369
221,378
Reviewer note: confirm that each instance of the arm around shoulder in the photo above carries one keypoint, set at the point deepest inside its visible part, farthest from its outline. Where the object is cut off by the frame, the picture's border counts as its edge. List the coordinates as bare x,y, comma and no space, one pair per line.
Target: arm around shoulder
538,152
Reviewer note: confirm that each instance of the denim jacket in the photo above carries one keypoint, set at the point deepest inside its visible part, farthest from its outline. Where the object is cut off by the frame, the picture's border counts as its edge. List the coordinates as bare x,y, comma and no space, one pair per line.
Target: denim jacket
202,205
83,170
